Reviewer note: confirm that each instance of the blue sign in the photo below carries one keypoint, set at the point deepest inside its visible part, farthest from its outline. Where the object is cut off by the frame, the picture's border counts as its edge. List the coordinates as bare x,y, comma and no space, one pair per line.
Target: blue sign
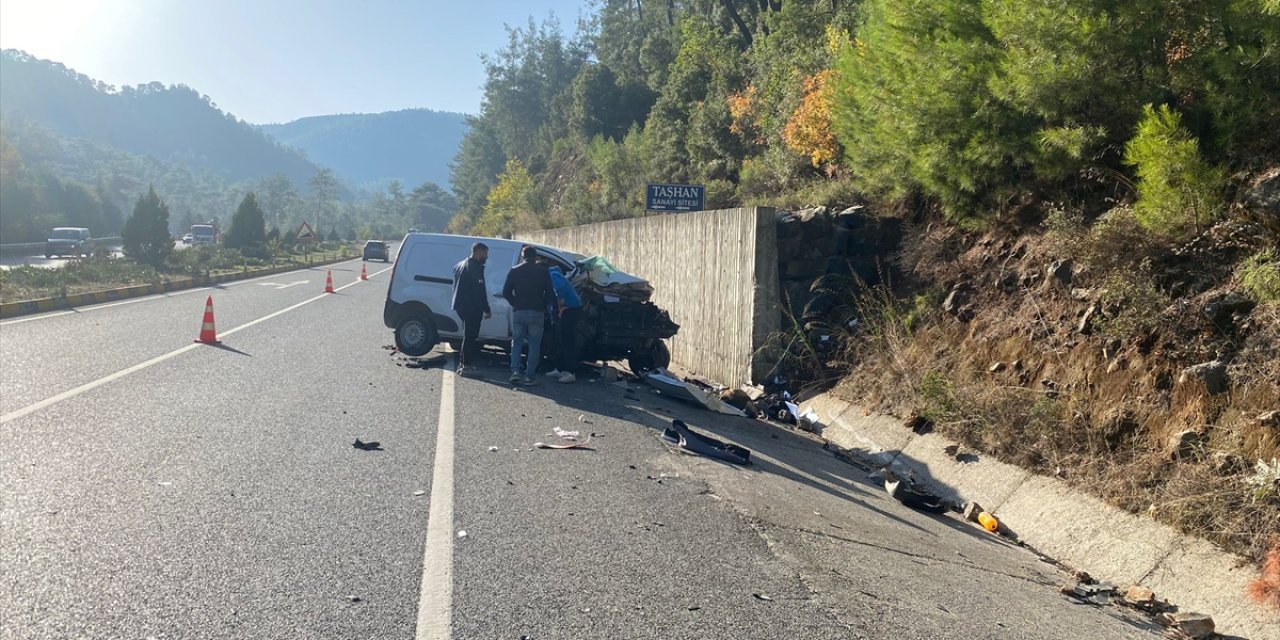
674,197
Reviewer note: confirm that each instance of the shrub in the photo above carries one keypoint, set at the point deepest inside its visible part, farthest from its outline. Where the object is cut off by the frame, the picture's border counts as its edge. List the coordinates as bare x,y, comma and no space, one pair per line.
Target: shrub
146,236
1260,275
1132,303
248,225
1177,189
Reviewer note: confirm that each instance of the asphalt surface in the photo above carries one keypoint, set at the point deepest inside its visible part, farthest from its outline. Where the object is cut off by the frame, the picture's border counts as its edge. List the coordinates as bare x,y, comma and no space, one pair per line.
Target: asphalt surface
214,493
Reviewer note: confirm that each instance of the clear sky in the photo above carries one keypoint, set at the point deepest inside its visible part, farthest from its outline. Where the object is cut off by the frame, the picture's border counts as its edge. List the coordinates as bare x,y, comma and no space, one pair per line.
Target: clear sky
277,60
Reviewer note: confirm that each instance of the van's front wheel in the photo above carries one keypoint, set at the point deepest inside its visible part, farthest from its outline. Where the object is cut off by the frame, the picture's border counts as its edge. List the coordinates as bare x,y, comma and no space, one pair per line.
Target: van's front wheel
656,356
415,336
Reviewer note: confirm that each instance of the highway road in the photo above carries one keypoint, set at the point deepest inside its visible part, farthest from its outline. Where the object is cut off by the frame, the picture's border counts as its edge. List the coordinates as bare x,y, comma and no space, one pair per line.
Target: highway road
157,488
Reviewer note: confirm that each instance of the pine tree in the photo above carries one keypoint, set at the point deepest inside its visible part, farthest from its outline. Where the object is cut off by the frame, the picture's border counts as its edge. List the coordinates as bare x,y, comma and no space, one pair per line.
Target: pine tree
248,225
146,236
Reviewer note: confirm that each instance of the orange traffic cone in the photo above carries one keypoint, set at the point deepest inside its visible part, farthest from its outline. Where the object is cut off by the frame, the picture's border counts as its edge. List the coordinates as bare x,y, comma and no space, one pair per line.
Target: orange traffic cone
364,275
328,282
208,334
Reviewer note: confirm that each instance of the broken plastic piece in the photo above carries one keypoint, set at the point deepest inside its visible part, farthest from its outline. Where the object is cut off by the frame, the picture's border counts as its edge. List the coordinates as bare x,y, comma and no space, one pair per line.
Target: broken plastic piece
809,420
663,382
680,434
571,445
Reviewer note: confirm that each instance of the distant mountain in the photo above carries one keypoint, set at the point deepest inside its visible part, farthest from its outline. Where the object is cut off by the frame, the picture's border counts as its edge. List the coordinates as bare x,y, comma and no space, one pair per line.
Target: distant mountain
412,146
175,124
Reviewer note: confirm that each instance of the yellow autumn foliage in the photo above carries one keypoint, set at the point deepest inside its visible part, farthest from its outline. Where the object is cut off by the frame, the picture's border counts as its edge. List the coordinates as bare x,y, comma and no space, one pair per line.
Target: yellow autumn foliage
808,132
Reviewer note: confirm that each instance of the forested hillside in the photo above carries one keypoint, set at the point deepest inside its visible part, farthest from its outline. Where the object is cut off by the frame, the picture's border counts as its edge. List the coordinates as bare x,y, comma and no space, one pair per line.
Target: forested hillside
372,149
52,180
979,108
174,124
74,151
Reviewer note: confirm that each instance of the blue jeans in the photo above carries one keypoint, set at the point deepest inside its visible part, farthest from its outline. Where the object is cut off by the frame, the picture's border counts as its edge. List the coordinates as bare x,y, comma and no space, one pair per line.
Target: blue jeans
526,326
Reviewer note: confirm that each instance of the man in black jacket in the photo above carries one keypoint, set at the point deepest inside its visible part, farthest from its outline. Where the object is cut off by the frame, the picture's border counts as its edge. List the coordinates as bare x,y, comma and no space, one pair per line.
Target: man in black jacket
471,303
529,291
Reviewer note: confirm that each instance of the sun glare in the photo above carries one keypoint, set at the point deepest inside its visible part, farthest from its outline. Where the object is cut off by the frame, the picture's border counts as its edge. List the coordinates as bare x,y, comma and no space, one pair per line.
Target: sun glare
49,28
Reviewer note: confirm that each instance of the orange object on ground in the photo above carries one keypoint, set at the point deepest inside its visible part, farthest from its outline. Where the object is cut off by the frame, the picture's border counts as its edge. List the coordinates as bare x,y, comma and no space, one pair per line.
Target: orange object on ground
208,334
328,282
988,522
364,275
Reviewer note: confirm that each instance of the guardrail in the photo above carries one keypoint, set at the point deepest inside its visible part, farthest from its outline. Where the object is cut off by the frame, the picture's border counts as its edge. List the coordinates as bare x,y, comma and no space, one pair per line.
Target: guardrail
36,248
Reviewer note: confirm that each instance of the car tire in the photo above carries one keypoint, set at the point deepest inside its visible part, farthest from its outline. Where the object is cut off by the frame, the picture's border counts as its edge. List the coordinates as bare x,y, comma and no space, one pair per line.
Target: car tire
415,335
656,357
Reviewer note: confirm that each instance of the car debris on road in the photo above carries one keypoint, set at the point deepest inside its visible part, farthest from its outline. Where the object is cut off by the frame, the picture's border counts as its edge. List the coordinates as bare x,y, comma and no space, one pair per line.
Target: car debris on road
568,445
685,439
908,492
367,446
665,383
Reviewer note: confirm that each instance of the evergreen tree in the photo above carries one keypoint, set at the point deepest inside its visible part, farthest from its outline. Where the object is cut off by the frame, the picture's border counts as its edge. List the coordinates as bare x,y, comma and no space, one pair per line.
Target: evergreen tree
248,225
333,235
324,191
146,236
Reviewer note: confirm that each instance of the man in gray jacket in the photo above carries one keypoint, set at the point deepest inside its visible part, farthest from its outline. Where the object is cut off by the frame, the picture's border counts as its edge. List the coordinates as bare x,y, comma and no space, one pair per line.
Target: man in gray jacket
529,291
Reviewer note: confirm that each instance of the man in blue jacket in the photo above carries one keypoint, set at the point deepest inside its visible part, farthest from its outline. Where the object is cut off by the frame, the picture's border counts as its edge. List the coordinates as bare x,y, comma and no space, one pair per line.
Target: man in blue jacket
570,314
528,289
471,303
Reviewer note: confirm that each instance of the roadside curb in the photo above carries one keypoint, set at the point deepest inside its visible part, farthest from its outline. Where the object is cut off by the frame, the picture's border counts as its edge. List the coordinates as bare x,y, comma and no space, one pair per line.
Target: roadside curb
1064,523
41,305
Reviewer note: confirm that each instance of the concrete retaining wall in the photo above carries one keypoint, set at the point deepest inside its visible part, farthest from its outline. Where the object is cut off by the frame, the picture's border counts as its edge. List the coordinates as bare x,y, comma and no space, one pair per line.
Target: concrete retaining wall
1064,523
715,271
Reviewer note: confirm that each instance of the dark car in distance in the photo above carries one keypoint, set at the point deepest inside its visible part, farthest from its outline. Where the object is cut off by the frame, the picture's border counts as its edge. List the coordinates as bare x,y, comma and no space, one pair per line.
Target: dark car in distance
377,250
68,241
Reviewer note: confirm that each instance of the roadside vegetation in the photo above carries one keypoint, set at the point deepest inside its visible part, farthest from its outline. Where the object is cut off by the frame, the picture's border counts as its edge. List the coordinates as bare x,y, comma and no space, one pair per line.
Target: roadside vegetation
150,257
1096,182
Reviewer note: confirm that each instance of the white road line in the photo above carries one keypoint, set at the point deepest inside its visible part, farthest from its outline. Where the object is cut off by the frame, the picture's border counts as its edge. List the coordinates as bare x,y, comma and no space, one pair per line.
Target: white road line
435,598
158,296
89,386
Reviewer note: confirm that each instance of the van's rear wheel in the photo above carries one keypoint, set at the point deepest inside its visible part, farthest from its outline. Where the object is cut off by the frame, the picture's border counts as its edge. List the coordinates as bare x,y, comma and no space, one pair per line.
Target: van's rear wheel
415,336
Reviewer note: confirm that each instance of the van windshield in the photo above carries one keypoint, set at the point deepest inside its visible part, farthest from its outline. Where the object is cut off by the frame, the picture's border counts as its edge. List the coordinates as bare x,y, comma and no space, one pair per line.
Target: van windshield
65,234
202,231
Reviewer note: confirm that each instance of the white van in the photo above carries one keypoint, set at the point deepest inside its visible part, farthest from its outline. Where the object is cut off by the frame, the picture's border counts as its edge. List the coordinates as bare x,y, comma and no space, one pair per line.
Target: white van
420,296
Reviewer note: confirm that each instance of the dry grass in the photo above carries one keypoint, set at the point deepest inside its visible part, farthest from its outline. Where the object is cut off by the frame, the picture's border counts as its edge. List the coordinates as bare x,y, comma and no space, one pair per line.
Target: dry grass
1099,411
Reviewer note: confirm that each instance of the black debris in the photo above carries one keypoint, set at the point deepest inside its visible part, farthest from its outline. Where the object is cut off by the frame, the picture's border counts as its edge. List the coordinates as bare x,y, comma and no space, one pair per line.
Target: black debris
680,435
367,446
904,490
